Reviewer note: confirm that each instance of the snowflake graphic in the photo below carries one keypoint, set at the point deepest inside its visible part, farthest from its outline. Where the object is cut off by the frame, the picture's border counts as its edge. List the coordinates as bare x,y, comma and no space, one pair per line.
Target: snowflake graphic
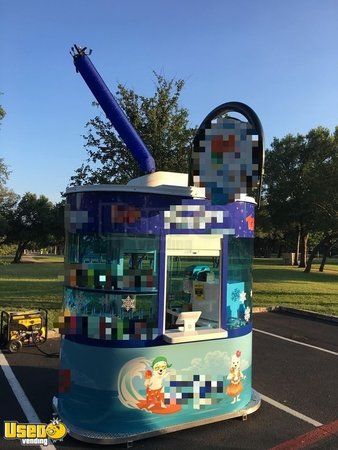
242,297
247,314
129,303
55,421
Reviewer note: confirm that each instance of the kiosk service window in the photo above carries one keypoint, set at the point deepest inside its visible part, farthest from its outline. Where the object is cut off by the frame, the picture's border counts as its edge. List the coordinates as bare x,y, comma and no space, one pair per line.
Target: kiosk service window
193,288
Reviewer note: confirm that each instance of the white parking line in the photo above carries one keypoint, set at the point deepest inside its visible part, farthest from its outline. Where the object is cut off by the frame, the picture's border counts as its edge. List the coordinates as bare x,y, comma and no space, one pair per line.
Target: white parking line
296,342
21,397
291,411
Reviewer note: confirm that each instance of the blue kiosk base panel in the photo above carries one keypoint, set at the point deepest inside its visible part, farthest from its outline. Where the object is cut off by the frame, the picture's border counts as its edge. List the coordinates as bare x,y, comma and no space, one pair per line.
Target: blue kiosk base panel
108,439
146,391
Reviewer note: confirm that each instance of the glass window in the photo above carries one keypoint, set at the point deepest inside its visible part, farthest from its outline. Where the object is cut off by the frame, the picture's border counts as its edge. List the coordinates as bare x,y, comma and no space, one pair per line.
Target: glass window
239,283
112,262
111,286
193,284
103,315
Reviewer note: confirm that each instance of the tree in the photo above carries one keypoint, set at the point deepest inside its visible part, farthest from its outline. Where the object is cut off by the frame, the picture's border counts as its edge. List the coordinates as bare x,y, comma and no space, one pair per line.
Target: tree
300,177
324,192
2,113
325,244
57,229
161,123
30,223
7,197
284,188
268,239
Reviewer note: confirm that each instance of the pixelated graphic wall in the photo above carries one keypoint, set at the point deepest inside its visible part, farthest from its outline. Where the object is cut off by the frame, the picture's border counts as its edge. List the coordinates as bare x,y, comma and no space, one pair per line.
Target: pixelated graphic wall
124,214
108,328
201,391
202,217
225,160
108,276
109,212
195,217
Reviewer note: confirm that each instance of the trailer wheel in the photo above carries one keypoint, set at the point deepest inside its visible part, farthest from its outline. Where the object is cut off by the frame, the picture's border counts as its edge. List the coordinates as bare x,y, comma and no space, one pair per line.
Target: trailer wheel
14,346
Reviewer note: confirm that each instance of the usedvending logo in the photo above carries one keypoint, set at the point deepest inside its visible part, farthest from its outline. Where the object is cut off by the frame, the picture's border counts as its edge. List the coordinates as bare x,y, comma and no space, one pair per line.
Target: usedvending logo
35,433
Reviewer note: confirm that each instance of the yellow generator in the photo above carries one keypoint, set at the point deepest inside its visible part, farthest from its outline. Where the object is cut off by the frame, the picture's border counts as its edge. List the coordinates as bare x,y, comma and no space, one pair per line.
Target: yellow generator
25,328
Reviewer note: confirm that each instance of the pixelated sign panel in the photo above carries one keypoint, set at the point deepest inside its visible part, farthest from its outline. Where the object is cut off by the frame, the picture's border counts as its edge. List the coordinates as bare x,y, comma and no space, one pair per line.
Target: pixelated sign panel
225,160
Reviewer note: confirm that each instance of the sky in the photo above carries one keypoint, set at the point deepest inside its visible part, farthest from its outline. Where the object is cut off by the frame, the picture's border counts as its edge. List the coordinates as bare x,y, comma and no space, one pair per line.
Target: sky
279,57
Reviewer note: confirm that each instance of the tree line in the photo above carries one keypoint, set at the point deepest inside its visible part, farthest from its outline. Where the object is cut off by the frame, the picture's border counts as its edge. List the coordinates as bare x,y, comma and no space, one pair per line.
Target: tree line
29,222
299,208
299,205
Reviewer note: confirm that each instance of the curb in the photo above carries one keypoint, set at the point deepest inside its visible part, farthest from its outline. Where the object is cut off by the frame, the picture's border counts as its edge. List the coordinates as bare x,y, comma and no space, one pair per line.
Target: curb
307,440
52,334
299,312
260,309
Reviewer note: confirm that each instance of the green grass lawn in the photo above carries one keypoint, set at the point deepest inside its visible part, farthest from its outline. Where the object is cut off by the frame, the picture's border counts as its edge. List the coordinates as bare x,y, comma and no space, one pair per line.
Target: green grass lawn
39,284
276,284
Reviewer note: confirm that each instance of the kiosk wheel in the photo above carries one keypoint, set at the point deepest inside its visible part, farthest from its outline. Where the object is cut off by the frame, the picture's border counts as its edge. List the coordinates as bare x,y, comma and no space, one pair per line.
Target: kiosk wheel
14,346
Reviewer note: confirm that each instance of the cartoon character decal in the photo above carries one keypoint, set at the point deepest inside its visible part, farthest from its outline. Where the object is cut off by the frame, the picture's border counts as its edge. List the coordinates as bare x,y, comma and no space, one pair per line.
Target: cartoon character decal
153,387
155,390
235,376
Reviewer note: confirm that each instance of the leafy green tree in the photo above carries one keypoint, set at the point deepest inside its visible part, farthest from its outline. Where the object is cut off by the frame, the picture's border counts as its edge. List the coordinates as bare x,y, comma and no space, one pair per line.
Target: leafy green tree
2,113
323,178
268,239
30,224
161,123
7,197
284,197
300,174
57,229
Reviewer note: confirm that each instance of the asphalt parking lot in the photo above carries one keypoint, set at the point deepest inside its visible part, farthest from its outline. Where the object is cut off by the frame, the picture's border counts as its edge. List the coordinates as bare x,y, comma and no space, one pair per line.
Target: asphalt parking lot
295,371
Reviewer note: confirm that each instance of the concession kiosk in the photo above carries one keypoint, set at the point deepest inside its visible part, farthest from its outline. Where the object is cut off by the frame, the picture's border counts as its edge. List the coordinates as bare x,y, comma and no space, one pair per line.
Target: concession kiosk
157,317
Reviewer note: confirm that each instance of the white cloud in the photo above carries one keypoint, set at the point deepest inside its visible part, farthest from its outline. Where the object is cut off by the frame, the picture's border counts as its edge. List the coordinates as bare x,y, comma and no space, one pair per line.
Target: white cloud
215,362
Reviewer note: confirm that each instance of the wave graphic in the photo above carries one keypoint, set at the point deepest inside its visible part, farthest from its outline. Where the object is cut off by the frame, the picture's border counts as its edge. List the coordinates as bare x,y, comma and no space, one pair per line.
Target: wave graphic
127,393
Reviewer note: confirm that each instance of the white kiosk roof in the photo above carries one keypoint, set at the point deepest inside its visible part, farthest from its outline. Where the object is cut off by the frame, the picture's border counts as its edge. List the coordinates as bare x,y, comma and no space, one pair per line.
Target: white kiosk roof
168,183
